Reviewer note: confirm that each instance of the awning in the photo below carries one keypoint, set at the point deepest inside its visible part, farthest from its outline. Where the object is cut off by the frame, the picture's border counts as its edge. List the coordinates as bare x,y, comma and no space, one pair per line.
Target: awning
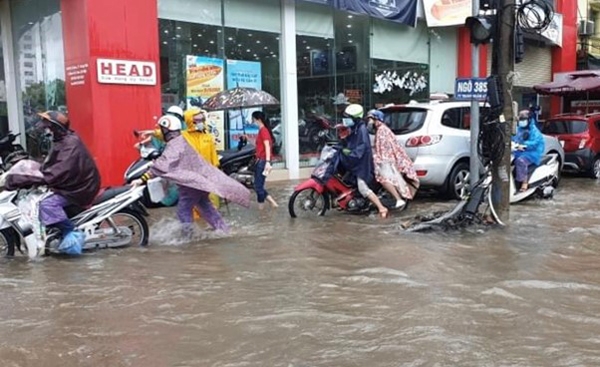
575,82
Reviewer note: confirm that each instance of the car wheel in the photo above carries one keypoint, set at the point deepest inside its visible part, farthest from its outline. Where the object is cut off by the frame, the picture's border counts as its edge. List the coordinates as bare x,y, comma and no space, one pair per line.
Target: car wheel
596,168
457,184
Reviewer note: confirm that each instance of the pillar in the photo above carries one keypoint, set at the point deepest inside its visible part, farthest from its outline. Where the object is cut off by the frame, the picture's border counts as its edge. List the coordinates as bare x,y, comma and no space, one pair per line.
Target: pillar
105,115
464,55
289,88
565,58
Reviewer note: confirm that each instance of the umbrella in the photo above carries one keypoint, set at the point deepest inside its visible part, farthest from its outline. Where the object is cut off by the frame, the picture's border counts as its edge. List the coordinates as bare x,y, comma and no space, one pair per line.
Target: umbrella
239,98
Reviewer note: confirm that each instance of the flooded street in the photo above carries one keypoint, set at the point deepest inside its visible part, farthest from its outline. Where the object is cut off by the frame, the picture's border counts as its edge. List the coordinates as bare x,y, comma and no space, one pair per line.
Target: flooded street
340,290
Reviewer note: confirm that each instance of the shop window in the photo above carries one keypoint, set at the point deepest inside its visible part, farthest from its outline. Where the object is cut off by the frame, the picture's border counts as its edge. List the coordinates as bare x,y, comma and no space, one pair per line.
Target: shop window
315,63
37,25
399,82
229,48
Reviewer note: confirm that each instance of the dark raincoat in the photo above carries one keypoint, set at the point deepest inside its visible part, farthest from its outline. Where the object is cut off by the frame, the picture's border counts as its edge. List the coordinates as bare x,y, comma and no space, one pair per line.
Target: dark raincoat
531,137
69,170
360,160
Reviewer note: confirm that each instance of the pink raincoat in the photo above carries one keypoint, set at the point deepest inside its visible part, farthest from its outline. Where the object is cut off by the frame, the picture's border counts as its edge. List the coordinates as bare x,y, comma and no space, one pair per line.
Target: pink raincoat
392,164
180,164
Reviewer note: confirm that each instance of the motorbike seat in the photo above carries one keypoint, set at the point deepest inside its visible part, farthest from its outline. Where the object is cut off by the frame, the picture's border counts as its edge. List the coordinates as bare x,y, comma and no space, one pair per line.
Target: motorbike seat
103,195
109,193
231,154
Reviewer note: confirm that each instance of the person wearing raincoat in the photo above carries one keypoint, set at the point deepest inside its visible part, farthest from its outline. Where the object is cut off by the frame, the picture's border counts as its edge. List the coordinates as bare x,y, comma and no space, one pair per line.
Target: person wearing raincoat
394,169
194,177
530,147
356,154
203,142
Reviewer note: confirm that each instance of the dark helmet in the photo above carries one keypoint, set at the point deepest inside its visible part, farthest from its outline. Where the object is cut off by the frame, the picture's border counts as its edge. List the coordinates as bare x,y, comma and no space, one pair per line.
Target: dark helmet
54,118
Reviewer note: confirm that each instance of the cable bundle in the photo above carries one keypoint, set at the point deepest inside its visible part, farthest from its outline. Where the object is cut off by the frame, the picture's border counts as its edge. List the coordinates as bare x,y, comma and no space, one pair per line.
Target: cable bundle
491,141
534,15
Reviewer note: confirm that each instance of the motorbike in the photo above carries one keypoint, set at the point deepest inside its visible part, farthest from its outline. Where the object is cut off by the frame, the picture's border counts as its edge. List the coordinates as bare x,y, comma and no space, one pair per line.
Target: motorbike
237,163
541,178
314,133
116,218
321,192
9,149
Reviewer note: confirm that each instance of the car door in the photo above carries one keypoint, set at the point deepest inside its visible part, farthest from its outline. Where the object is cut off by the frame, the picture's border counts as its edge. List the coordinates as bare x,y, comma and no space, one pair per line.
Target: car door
455,122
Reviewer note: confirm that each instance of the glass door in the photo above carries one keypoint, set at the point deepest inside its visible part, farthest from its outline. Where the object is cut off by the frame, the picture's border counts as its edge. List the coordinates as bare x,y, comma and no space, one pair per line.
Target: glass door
3,105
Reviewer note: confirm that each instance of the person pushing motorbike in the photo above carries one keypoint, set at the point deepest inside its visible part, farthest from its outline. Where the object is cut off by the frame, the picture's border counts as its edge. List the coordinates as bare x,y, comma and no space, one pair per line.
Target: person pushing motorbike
356,154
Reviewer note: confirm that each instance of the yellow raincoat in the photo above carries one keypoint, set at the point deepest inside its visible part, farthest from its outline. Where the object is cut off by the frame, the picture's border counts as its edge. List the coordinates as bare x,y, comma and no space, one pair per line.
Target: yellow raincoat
204,144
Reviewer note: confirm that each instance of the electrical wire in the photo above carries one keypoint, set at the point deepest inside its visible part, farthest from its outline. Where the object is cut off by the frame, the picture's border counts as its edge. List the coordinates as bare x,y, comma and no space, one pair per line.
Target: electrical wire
534,15
490,142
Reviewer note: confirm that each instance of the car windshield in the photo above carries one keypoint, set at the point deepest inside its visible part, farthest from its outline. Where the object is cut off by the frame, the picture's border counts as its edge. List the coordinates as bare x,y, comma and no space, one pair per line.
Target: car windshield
559,127
406,120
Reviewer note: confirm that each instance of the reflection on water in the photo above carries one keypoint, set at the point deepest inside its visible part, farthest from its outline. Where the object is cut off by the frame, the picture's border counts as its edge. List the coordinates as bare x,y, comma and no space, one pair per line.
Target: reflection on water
334,291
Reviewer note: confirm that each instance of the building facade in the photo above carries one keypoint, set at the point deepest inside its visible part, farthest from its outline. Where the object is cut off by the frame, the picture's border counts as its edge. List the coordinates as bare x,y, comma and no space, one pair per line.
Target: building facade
90,58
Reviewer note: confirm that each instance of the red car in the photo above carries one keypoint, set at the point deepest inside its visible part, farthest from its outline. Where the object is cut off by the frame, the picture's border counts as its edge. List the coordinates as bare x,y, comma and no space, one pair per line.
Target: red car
580,137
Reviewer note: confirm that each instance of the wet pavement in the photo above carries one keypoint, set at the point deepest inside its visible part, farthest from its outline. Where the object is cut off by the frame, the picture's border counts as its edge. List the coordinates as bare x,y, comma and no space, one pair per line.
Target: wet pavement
335,291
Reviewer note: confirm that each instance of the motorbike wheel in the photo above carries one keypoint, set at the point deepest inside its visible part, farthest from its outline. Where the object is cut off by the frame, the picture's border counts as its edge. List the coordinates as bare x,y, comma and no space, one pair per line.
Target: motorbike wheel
308,201
136,223
8,242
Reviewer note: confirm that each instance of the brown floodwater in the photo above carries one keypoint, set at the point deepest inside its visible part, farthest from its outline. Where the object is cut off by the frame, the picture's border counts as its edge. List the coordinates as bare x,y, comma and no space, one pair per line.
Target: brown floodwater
340,290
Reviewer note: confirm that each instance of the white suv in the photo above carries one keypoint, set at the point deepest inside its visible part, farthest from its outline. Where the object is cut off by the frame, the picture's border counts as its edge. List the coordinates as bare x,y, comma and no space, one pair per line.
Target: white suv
436,136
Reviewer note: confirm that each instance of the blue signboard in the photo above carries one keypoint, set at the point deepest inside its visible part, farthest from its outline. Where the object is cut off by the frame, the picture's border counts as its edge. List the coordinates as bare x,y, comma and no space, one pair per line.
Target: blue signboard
470,89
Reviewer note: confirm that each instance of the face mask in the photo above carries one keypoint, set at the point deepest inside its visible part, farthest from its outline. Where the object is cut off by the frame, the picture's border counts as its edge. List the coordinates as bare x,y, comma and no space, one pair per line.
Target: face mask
347,122
200,126
522,123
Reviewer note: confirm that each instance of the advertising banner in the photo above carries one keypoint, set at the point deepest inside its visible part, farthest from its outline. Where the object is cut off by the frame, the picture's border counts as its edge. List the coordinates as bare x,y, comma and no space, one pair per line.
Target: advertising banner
443,13
554,32
401,11
246,74
205,77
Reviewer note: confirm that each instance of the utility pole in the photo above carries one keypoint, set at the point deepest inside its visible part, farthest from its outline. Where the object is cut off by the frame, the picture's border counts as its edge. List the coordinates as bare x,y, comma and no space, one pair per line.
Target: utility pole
474,155
503,60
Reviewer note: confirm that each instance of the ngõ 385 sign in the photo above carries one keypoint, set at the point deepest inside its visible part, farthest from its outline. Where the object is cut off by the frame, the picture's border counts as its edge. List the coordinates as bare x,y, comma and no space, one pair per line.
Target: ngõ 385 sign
112,71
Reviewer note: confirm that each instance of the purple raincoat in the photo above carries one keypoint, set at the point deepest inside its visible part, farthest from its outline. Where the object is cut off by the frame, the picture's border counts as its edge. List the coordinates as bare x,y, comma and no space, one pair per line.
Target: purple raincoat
180,164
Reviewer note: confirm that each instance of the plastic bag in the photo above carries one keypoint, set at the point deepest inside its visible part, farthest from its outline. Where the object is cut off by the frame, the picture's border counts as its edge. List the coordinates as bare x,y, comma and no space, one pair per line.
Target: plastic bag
171,196
156,189
72,244
28,203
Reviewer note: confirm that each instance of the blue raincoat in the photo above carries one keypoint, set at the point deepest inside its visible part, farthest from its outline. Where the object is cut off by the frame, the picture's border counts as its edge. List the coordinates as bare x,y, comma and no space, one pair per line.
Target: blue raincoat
531,137
360,159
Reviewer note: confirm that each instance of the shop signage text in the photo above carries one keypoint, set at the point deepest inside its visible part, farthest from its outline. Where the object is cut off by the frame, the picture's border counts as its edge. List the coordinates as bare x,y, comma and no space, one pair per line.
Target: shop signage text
470,89
112,71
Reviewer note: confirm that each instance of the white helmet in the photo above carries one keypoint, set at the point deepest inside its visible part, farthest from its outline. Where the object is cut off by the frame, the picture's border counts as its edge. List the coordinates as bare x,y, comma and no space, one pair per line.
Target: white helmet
355,111
170,123
176,110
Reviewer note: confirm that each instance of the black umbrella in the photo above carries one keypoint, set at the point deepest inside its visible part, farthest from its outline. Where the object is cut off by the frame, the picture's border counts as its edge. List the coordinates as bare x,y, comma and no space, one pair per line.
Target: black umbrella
241,98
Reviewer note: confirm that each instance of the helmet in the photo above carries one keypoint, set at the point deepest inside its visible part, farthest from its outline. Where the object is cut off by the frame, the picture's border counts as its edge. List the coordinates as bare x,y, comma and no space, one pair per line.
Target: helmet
170,123
56,118
376,114
524,114
342,131
176,111
355,111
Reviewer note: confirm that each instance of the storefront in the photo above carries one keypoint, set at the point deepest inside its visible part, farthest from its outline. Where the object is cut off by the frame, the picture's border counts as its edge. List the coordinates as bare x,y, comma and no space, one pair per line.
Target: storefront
312,55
